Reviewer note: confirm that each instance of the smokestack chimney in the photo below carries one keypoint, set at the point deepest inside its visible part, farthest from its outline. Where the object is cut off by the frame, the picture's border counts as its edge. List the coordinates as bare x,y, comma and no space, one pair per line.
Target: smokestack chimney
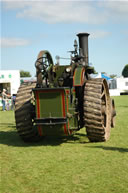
83,45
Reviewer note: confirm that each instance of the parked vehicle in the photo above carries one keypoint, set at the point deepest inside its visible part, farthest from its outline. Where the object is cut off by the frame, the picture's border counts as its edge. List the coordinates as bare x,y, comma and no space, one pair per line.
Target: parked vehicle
65,99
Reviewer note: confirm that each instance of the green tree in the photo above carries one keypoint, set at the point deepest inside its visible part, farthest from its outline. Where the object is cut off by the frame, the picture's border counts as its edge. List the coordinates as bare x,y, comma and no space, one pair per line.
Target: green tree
25,73
113,76
125,71
93,69
104,73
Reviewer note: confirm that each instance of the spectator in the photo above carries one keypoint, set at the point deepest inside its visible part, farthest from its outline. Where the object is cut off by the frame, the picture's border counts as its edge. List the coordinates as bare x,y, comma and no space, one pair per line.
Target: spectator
7,104
4,97
13,98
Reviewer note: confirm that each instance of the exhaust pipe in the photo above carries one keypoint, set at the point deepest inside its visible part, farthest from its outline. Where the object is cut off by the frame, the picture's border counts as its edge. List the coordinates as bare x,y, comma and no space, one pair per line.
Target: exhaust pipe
83,45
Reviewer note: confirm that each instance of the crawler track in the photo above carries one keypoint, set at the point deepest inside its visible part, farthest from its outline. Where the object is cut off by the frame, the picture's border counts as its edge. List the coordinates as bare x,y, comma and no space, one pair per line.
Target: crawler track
24,113
97,110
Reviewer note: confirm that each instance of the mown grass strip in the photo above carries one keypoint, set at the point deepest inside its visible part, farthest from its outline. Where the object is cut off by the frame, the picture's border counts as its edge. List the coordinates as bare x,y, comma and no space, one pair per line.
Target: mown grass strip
66,165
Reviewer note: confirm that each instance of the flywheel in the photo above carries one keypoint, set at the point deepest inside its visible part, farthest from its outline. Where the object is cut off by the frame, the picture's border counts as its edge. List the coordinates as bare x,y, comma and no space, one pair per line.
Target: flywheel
97,110
24,113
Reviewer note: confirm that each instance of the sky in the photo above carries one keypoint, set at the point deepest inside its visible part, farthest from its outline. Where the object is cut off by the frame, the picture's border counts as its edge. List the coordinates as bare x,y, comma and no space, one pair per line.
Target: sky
27,27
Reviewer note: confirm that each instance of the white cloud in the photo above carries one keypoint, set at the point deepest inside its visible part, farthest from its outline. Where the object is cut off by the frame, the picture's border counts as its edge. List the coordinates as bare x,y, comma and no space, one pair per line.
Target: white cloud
58,11
118,10
54,11
13,42
99,34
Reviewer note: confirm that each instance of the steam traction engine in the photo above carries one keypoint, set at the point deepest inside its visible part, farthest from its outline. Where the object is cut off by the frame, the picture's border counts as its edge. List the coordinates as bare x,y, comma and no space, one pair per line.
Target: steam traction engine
65,99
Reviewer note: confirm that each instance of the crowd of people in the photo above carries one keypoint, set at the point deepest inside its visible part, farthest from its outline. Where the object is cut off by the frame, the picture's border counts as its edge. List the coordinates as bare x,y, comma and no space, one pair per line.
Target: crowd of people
8,101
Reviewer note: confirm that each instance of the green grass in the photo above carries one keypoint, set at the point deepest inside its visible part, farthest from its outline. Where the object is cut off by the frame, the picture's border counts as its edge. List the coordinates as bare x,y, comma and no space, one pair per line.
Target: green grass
68,165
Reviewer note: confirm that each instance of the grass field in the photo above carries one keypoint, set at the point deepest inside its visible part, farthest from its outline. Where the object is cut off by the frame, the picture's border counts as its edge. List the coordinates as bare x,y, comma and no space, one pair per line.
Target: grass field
70,165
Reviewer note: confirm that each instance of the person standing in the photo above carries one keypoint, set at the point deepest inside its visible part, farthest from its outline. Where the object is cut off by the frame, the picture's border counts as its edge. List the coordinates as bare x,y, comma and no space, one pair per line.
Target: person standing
13,98
4,97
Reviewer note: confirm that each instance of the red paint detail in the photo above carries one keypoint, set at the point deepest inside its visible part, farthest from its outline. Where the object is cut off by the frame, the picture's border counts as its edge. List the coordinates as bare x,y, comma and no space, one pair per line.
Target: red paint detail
82,79
38,112
40,130
70,131
67,92
38,104
74,78
67,102
64,113
63,103
46,91
65,129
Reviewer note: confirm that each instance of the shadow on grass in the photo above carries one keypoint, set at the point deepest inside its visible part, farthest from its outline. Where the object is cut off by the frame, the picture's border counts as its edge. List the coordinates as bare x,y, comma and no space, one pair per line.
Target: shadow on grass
11,138
119,149
7,125
122,106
